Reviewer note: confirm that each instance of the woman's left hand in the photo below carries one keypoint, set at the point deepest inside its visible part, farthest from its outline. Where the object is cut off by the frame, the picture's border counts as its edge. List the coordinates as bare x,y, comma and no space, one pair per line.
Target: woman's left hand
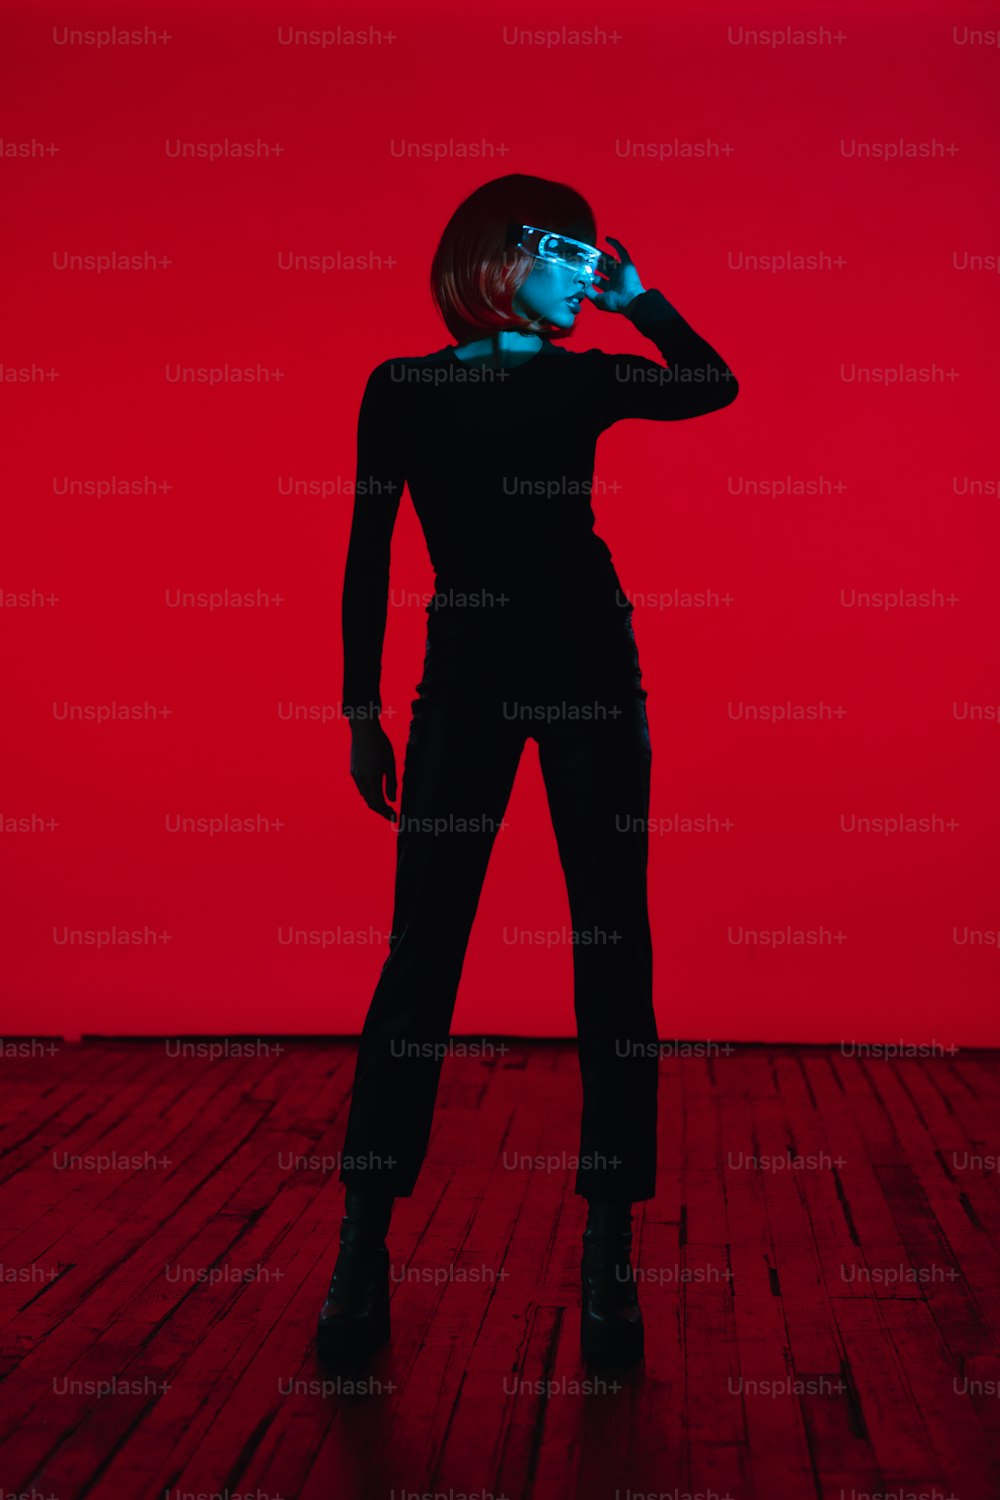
621,287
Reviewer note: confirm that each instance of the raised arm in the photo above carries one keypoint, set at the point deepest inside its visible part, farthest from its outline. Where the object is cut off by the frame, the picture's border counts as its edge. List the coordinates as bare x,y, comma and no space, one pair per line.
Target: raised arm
379,487
694,381
694,378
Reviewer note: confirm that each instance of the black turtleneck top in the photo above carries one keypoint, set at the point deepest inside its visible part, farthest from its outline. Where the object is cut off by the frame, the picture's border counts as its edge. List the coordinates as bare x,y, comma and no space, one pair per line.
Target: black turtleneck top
500,466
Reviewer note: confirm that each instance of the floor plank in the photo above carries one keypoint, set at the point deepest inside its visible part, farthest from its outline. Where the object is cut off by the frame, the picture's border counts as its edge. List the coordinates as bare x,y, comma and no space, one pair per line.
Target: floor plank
818,1273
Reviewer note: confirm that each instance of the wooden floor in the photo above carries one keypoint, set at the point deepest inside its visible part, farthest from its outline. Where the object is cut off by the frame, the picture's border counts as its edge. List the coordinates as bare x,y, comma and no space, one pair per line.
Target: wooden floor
824,1321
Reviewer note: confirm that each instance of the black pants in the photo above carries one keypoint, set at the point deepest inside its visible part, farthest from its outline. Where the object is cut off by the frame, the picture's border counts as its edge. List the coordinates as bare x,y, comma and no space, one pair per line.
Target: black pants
470,721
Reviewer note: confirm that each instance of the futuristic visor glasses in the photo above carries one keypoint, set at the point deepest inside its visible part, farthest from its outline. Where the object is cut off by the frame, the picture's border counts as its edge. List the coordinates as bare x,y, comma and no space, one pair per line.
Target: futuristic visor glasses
545,244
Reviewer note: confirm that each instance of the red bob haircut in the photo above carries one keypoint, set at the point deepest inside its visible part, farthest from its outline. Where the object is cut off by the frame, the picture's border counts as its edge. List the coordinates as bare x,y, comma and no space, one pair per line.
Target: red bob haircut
477,267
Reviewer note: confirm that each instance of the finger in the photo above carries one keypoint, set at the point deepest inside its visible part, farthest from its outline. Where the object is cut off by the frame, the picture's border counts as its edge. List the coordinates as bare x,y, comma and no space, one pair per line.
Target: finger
390,786
626,259
371,791
599,297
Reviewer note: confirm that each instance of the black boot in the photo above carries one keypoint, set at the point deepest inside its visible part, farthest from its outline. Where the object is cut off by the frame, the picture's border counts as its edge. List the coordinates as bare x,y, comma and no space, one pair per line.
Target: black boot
610,1317
354,1319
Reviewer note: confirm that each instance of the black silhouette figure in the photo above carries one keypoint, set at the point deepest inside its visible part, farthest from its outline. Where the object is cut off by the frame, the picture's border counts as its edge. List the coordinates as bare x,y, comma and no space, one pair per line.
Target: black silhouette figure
529,635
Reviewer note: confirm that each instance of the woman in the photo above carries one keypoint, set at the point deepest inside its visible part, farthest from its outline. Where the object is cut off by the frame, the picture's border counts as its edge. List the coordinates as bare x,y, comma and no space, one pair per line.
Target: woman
529,635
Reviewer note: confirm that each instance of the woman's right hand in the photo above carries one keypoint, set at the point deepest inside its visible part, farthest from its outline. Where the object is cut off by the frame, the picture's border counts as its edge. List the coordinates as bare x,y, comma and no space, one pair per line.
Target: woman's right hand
372,760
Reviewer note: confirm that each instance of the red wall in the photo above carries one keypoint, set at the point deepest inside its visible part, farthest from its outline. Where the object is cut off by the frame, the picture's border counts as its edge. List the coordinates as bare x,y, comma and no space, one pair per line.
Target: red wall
907,500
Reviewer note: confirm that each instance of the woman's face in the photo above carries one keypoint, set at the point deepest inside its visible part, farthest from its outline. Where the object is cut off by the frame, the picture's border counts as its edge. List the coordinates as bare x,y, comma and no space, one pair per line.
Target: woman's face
553,291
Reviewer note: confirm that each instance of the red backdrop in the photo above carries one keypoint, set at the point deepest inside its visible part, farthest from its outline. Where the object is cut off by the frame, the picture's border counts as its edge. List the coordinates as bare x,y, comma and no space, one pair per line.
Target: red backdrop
860,459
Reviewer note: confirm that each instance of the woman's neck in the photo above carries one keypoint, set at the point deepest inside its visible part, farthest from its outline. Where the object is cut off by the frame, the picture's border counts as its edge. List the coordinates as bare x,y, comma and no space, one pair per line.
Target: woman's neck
501,350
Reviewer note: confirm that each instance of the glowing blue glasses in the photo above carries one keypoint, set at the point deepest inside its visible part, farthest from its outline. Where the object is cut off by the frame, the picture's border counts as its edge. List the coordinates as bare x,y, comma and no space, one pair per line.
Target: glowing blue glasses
545,244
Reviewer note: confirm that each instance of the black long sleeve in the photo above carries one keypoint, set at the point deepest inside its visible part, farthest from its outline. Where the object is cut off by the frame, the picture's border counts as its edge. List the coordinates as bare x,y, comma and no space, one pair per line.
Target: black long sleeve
500,468
378,490
696,382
